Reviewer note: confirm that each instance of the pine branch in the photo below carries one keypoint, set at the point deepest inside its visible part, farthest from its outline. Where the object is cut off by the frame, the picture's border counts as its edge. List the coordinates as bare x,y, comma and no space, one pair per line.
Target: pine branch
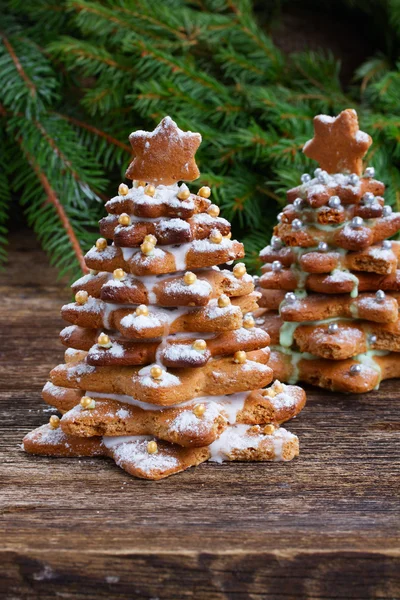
28,81
109,138
52,198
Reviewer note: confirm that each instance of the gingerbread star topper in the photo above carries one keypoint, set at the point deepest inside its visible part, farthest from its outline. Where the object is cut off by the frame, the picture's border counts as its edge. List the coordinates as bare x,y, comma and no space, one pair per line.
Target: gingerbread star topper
165,155
338,144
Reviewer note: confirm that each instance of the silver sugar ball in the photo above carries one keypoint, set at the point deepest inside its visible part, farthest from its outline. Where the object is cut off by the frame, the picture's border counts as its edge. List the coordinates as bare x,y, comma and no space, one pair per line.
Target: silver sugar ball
290,297
355,369
323,177
369,172
386,245
380,296
372,339
354,179
298,204
368,198
356,222
276,266
276,243
333,328
305,178
387,211
334,202
296,224
317,172
322,247
279,217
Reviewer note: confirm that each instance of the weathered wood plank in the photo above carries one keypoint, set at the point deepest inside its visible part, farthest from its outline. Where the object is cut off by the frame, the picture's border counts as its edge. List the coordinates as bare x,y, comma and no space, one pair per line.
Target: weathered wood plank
324,526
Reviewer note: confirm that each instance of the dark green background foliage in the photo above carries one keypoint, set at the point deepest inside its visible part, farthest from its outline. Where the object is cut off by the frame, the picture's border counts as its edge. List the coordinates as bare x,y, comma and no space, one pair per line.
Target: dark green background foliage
77,76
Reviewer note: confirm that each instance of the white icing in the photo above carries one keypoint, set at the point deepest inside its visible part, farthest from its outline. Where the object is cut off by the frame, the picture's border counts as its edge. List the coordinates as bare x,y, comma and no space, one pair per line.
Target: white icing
114,441
237,438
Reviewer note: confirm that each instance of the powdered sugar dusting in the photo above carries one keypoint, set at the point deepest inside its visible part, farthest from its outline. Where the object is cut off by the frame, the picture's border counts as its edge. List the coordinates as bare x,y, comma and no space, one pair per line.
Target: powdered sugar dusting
135,453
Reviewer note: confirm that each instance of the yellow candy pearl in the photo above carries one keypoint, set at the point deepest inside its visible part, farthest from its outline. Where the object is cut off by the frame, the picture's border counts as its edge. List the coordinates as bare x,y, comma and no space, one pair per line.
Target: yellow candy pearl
81,297
142,310
54,422
124,220
216,237
199,410
103,340
239,357
152,447
189,278
223,301
123,189
199,345
204,192
248,322
183,194
119,274
150,190
269,429
147,248
150,238
87,403
156,372
101,244
213,210
239,270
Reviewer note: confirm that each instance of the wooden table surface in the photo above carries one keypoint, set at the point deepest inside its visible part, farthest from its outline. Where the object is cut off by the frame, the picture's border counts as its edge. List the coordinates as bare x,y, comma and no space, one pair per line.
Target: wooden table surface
324,526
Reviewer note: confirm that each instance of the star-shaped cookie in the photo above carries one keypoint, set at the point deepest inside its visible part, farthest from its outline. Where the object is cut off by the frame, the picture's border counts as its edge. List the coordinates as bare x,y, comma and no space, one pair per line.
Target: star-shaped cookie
165,155
338,144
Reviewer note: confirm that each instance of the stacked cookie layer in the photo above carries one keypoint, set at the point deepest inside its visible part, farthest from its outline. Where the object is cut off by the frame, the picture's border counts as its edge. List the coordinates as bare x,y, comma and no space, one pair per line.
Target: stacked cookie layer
164,366
330,282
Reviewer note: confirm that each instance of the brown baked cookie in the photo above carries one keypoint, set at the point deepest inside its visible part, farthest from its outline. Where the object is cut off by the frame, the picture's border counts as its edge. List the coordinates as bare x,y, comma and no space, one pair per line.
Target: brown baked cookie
169,259
165,203
349,376
131,232
164,156
144,457
165,387
338,144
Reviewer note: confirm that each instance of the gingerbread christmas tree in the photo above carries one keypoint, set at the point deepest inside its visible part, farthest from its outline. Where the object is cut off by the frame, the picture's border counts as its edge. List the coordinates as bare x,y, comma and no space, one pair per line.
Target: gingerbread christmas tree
330,284
164,366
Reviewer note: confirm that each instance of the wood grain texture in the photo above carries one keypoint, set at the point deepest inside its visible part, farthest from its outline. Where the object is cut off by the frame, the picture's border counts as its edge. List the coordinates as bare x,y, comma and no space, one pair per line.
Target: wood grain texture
324,526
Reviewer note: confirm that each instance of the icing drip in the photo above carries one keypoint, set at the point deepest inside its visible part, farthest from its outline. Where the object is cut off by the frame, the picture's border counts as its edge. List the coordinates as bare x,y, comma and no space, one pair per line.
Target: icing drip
238,438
